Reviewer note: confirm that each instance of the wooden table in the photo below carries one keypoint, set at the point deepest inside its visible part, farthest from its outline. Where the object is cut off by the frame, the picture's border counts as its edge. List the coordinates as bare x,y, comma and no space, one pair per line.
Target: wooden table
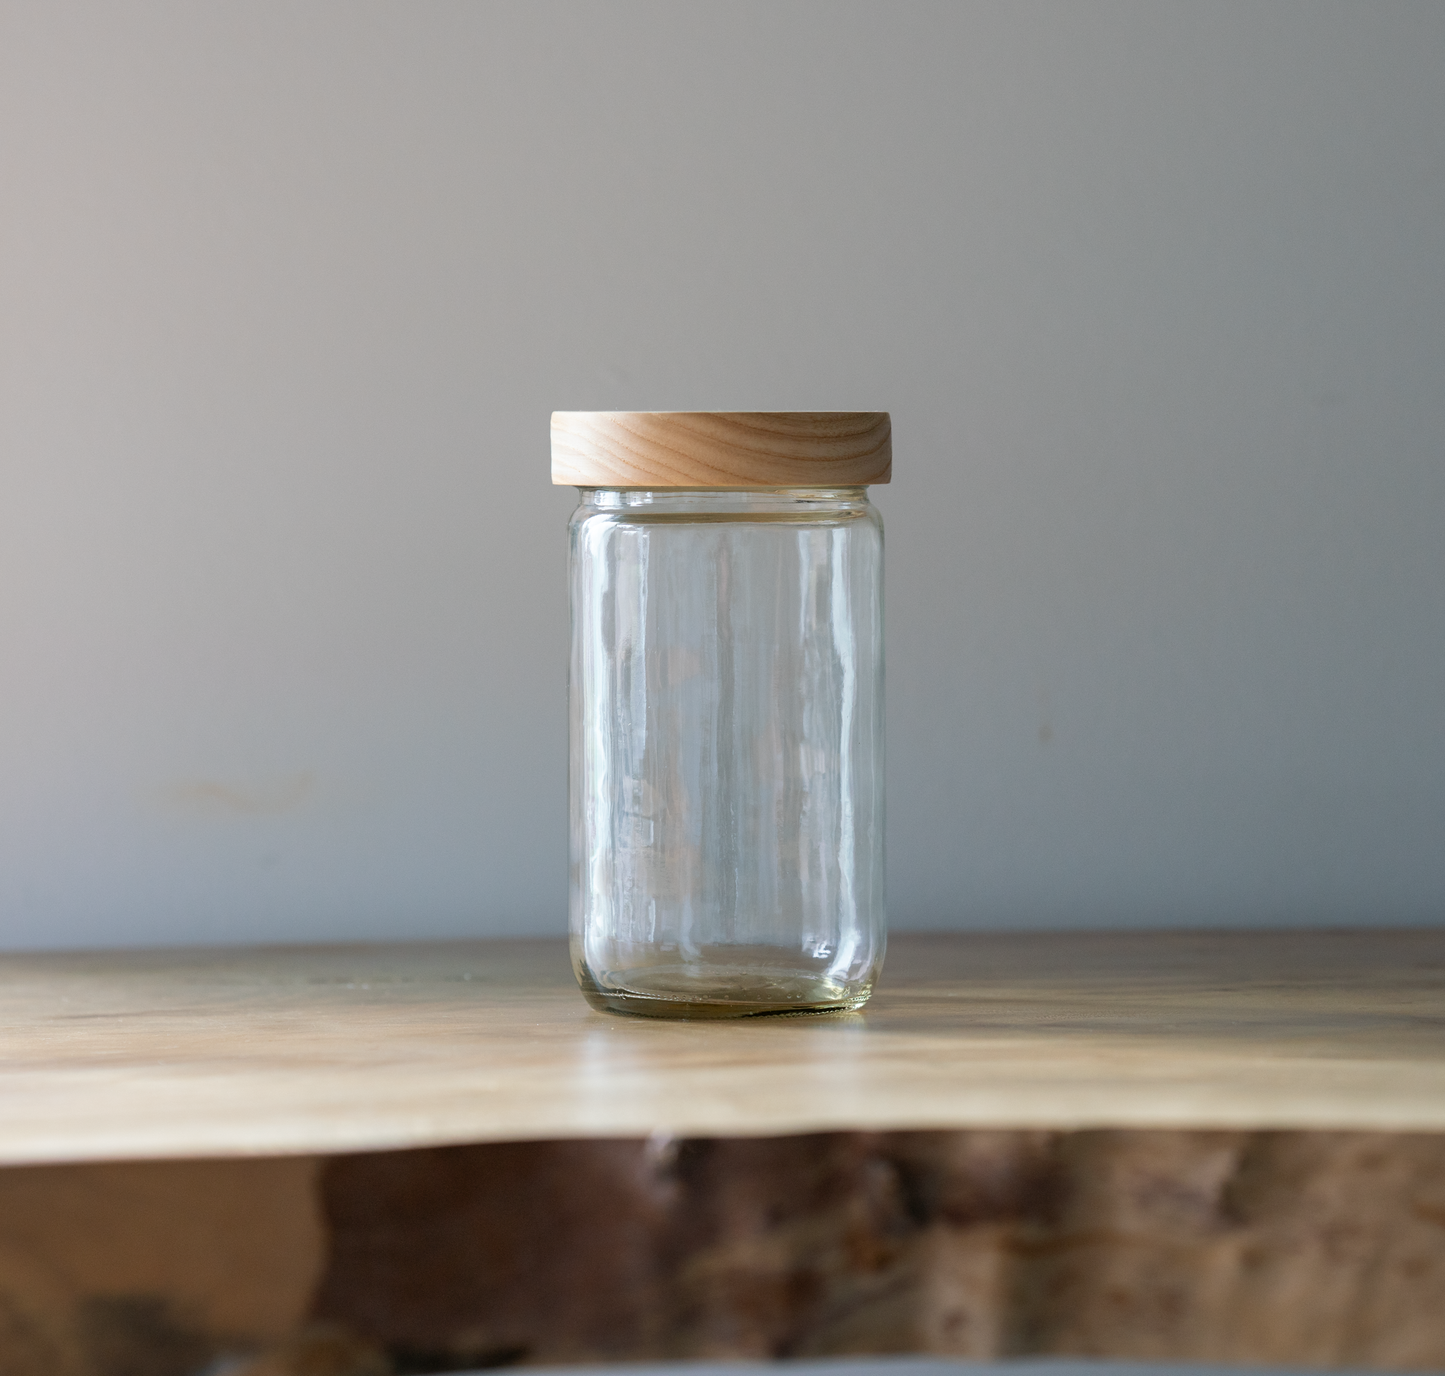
1166,1145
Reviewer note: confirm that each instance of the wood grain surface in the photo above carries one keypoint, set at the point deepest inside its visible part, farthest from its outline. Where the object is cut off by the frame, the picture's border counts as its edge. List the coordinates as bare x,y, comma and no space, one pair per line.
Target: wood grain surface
323,1049
721,449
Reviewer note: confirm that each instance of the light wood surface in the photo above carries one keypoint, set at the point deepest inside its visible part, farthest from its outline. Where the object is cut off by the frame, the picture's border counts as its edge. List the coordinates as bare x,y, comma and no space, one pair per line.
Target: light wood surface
721,449
293,1050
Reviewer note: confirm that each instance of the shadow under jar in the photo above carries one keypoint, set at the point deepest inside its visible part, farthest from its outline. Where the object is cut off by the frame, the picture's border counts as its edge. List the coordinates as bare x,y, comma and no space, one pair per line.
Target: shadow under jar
726,700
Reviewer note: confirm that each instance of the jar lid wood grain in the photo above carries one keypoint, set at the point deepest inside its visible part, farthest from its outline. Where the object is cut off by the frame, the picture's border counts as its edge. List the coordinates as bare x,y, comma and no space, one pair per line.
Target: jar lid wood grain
721,449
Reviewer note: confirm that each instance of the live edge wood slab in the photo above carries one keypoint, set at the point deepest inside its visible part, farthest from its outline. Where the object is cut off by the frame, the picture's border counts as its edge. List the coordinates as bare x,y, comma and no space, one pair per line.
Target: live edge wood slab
424,1157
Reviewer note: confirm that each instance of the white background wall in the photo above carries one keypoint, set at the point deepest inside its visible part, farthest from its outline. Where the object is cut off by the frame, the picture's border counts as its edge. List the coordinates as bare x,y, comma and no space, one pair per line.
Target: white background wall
1154,291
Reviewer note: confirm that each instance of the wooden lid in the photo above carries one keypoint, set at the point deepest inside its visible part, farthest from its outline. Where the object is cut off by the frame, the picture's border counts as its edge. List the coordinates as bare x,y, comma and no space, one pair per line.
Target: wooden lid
728,449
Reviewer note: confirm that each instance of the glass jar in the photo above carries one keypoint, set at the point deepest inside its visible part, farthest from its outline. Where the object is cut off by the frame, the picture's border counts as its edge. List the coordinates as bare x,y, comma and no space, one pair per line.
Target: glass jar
726,695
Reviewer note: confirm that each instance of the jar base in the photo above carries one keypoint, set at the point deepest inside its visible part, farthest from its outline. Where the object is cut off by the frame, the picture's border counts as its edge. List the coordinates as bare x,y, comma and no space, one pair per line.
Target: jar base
655,992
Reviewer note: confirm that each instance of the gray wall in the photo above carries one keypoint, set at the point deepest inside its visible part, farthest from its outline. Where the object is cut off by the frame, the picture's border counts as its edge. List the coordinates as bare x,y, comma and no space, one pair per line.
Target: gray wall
1155,293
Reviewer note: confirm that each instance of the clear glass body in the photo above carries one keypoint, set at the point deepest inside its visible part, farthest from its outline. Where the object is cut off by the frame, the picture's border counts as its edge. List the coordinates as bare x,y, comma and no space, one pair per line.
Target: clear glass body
727,750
